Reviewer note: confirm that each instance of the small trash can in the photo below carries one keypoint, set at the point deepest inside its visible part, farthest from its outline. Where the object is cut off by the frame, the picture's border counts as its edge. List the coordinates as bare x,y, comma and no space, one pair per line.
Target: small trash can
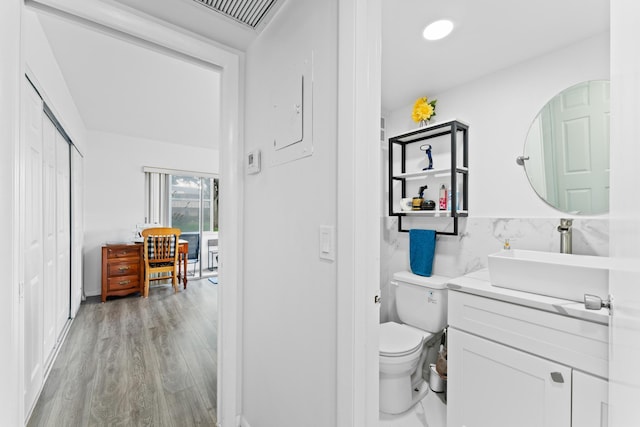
436,382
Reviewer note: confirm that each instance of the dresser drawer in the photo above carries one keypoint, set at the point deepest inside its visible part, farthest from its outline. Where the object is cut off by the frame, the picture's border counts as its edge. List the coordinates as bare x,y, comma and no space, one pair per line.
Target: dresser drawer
123,282
130,251
123,268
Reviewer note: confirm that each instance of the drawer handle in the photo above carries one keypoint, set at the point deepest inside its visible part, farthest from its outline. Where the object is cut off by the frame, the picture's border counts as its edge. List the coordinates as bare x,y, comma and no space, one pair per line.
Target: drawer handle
124,282
122,253
124,268
557,377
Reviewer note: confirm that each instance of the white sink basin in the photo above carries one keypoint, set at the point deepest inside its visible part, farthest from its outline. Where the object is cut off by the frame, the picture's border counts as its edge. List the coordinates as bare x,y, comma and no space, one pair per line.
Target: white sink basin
564,276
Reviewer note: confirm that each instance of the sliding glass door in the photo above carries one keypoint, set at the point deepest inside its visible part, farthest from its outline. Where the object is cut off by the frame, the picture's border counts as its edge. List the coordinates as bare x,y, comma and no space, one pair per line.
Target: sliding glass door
193,208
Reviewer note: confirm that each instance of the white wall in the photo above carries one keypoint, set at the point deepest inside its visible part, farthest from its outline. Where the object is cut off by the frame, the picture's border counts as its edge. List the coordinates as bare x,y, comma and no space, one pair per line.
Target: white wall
289,323
499,109
114,189
45,74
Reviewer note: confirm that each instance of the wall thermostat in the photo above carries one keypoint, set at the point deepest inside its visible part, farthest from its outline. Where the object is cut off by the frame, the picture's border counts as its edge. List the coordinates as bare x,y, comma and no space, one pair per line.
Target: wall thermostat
253,162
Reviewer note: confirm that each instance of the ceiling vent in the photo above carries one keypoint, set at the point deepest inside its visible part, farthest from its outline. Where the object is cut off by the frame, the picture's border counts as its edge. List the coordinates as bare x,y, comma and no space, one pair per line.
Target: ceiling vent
247,12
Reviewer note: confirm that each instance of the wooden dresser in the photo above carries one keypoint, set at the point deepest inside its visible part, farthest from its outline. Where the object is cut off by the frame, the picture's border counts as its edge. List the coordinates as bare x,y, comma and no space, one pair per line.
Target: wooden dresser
122,269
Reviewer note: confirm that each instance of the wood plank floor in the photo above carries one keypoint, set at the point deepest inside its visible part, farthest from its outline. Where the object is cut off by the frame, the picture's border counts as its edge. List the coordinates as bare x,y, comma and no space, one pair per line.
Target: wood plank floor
137,362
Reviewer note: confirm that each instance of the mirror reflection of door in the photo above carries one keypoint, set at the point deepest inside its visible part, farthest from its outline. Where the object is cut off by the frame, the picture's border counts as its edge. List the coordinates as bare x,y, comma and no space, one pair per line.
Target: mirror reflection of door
568,146
580,126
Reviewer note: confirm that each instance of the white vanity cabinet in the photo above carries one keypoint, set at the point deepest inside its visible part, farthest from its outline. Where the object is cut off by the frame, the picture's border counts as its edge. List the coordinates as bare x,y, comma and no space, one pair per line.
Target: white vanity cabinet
495,385
511,365
590,406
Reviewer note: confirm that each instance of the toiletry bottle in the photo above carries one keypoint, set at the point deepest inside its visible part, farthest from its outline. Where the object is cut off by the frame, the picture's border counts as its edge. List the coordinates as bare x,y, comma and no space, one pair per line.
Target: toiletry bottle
449,199
443,198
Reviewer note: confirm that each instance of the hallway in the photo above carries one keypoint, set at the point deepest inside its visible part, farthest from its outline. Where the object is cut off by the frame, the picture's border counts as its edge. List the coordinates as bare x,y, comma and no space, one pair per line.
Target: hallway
135,361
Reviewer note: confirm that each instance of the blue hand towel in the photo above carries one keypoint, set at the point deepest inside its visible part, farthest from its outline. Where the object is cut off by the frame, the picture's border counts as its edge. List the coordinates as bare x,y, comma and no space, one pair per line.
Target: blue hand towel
422,246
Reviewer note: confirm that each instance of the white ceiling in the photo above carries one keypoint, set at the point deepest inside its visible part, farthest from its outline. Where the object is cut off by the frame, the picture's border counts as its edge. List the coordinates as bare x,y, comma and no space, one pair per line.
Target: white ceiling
488,35
128,89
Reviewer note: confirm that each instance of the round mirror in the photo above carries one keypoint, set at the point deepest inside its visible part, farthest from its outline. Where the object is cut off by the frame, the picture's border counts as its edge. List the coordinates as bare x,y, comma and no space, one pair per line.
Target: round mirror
566,153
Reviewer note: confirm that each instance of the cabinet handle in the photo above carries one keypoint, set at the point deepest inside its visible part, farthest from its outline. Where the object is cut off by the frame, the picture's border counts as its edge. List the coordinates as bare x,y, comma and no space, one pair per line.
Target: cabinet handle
124,268
557,377
124,282
122,253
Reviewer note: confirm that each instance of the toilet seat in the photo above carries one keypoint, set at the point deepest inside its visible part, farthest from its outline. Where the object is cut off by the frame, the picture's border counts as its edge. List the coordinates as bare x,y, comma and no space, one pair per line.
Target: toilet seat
398,340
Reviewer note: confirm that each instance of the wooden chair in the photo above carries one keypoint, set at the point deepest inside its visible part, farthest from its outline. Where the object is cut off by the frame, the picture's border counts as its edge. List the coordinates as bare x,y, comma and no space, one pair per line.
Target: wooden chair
160,256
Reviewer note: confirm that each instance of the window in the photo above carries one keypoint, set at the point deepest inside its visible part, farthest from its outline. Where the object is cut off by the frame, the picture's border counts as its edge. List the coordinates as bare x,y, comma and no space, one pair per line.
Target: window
193,199
188,201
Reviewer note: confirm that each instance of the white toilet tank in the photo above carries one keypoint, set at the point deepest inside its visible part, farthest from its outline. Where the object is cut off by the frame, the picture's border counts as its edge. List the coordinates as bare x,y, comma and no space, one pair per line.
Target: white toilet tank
421,301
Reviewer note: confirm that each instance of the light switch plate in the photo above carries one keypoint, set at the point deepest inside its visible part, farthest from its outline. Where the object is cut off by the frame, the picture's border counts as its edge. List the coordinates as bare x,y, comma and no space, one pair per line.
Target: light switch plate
253,162
327,247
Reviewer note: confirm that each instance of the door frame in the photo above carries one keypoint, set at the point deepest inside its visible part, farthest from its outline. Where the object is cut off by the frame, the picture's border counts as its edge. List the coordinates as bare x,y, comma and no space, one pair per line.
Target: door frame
359,211
11,72
624,347
139,29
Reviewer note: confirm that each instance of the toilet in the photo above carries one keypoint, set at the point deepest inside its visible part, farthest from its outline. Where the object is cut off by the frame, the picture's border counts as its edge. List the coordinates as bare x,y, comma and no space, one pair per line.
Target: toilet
421,304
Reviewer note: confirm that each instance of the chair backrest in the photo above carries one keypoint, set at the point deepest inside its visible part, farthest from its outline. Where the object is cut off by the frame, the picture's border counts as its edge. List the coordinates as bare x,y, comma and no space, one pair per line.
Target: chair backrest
194,244
160,244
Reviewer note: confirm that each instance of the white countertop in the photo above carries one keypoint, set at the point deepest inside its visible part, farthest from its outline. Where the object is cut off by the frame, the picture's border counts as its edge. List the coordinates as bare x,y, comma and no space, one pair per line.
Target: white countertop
477,283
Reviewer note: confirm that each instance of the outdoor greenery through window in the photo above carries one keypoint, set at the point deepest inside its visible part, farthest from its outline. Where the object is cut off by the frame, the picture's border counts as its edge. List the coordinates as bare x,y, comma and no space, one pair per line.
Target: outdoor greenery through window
189,197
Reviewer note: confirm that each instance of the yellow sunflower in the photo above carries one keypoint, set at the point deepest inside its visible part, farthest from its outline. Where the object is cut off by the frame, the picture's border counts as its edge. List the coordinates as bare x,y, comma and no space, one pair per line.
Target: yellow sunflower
423,109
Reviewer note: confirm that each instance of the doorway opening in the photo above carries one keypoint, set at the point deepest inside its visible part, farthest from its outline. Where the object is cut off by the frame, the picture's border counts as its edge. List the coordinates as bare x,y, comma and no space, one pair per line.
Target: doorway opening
141,30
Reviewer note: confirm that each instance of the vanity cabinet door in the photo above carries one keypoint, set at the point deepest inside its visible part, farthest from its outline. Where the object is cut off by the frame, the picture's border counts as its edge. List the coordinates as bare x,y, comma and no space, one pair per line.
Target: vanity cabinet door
492,385
590,407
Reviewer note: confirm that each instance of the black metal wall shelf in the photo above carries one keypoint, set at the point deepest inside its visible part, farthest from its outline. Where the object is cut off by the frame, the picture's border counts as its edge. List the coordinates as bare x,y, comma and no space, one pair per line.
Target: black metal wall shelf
452,128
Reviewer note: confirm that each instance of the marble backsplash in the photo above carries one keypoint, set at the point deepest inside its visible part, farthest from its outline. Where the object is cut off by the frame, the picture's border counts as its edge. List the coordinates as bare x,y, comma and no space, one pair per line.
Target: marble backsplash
479,237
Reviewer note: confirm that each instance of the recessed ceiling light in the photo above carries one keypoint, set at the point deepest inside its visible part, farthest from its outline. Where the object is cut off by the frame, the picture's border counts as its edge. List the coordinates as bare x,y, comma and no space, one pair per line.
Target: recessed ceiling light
438,30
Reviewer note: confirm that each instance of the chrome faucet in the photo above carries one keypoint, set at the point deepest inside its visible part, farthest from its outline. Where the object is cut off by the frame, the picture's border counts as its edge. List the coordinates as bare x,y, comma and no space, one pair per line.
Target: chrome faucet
565,235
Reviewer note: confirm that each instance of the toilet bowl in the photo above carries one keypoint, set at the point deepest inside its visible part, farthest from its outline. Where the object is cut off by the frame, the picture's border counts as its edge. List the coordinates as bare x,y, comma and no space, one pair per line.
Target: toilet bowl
421,303
401,354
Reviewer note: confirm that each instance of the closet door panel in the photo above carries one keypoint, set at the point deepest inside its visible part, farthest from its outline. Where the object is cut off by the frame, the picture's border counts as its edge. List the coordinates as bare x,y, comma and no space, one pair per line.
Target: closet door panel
63,235
49,236
32,243
77,229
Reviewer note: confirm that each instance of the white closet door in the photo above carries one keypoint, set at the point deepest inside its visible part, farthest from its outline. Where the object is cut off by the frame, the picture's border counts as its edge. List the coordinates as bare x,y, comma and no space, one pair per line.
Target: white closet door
31,230
49,235
77,221
63,234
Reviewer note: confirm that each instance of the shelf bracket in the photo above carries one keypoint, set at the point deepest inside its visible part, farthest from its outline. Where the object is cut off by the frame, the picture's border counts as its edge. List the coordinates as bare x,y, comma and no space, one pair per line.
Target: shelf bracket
441,233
